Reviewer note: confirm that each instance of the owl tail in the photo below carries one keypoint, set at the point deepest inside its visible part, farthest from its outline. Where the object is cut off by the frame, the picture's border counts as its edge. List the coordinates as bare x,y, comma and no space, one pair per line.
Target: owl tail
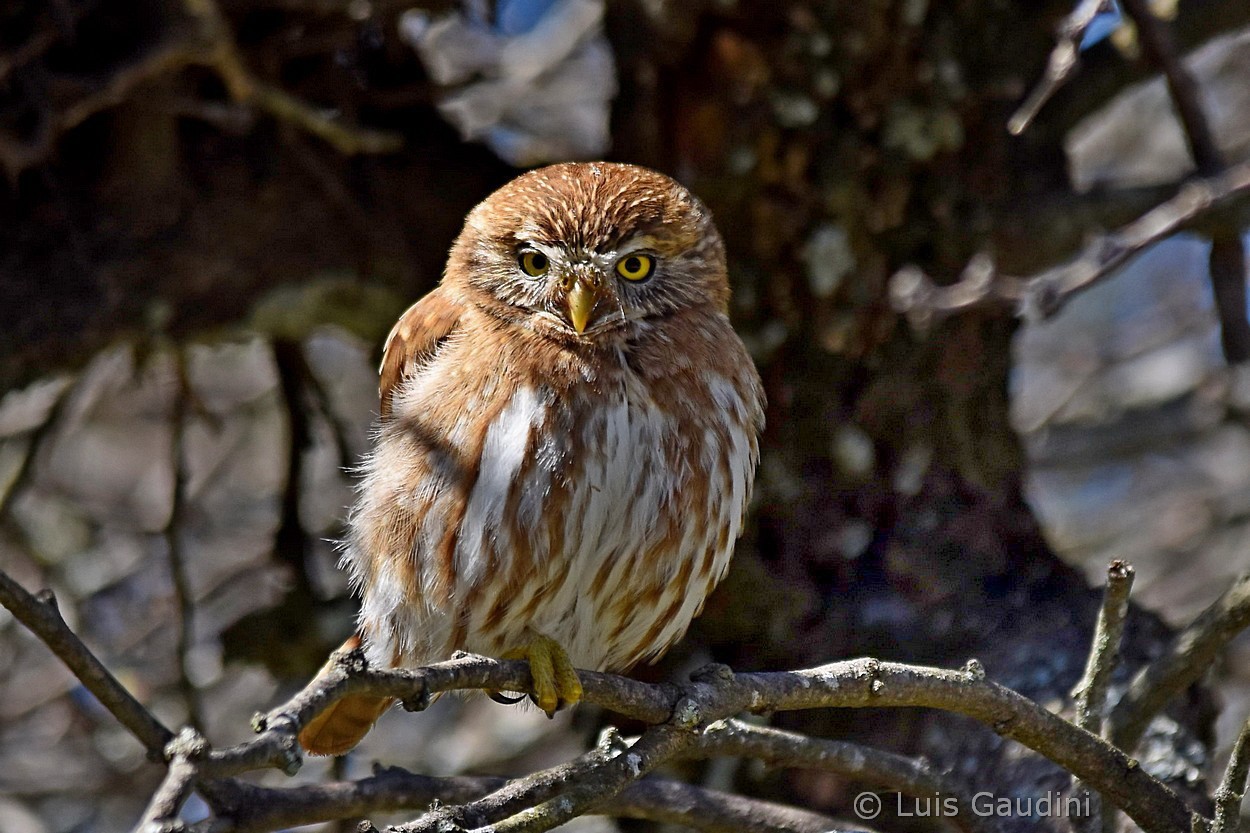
340,727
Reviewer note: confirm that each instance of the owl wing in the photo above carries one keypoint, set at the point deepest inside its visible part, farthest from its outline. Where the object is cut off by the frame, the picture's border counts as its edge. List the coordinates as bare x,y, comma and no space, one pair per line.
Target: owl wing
414,339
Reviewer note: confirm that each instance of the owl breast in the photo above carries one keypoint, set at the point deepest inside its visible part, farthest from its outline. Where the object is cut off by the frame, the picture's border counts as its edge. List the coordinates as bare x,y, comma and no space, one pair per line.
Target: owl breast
599,513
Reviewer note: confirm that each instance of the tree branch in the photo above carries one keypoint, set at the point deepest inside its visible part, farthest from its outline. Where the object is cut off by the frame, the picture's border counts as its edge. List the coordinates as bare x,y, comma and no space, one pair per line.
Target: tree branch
41,616
222,55
1188,657
262,809
1091,692
1157,45
734,738
849,684
915,294
1062,64
1232,789
681,712
183,753
518,794
599,783
1227,262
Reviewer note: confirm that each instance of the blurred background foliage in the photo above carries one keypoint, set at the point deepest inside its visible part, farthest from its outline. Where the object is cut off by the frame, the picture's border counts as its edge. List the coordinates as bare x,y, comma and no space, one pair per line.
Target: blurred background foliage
212,212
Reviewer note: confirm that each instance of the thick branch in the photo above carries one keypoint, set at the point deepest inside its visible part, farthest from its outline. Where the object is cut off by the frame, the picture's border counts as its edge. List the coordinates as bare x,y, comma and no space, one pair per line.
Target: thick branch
851,684
41,617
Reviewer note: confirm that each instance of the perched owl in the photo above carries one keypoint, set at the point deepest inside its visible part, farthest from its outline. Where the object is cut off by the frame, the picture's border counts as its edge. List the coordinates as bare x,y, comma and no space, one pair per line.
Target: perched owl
569,434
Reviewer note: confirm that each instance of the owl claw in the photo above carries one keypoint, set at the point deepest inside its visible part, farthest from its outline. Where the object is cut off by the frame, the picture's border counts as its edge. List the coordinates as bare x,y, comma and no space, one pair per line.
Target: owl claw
555,682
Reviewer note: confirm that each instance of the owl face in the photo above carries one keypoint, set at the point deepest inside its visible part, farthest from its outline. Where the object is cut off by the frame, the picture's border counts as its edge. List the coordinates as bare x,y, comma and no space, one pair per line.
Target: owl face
580,252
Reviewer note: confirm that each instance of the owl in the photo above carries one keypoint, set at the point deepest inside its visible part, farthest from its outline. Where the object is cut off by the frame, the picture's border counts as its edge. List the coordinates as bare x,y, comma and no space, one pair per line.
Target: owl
568,438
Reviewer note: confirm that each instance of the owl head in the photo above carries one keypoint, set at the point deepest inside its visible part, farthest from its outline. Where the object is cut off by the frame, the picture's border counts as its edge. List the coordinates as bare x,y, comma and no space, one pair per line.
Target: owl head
582,251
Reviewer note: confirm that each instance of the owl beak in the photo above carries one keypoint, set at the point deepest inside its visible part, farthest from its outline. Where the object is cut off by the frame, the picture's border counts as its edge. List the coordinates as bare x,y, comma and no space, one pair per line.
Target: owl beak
582,300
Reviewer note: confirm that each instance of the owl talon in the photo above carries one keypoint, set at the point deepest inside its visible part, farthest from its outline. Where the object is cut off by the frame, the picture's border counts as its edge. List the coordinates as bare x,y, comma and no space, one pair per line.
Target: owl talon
555,682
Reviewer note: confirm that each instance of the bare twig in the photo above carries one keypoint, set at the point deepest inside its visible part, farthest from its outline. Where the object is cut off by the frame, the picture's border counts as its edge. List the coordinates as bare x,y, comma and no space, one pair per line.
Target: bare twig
262,809
600,783
1062,64
1232,789
1157,45
183,753
222,55
516,795
1227,263
1227,259
853,761
212,47
36,45
173,545
1040,296
1091,692
672,802
1191,653
41,617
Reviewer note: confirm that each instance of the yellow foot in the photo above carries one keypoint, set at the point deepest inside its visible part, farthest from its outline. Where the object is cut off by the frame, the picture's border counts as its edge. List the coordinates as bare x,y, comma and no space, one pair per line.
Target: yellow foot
555,682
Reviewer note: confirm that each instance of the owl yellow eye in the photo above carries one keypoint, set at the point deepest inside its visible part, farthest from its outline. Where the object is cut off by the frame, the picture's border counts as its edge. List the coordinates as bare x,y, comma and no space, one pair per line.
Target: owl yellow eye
635,267
534,264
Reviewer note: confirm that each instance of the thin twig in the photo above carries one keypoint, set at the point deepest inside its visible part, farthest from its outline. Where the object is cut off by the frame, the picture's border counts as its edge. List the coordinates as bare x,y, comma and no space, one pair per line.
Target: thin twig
34,47
213,47
1040,296
1091,692
262,809
516,795
1062,64
656,746
1227,260
222,54
1227,263
41,616
1188,657
1158,47
183,594
908,776
1232,789
183,753
672,802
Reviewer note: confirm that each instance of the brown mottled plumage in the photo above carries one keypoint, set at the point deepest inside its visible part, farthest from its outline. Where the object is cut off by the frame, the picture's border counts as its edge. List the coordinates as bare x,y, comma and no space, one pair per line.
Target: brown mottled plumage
568,439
